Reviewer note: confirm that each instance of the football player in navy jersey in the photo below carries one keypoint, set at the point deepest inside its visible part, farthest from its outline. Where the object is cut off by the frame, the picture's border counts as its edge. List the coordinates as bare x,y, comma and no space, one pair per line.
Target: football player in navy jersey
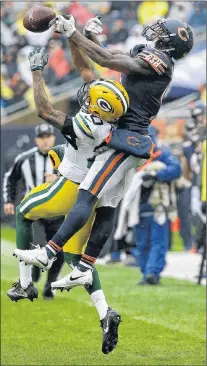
146,74
147,71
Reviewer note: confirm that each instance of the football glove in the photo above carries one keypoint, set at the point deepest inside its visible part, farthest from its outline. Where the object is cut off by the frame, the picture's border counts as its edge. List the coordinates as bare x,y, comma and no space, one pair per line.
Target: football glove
38,59
100,149
65,26
93,26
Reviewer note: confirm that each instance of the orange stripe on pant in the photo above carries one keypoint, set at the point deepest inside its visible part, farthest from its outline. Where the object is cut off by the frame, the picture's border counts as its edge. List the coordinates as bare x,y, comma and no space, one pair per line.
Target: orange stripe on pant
54,246
107,171
154,155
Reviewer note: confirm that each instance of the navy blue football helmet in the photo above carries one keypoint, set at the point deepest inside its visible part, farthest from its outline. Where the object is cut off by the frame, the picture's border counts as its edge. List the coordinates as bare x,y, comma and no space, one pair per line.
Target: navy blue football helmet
170,35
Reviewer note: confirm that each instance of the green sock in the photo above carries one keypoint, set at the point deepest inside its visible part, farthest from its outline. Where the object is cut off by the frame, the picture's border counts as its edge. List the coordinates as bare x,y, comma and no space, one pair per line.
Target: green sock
24,233
74,260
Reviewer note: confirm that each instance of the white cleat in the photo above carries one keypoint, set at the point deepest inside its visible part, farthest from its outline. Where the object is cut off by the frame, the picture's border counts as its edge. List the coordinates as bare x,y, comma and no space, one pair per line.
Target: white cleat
73,279
38,257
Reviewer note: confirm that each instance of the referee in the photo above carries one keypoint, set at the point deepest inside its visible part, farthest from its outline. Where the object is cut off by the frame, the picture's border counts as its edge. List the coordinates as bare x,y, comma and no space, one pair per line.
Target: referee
30,169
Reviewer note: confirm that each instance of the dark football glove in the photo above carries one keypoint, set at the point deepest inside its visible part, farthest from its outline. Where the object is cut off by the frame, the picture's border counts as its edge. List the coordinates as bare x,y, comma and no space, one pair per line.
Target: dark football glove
38,59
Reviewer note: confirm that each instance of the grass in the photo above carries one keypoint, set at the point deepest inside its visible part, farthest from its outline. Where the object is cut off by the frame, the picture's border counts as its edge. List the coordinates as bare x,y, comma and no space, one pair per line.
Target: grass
162,325
8,233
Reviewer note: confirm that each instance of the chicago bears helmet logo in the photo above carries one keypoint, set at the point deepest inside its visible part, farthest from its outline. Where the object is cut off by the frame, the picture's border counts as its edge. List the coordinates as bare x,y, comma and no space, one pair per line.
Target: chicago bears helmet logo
183,34
104,105
132,140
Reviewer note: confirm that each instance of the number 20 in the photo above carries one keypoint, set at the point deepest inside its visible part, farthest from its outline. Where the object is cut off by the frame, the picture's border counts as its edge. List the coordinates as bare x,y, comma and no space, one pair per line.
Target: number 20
96,120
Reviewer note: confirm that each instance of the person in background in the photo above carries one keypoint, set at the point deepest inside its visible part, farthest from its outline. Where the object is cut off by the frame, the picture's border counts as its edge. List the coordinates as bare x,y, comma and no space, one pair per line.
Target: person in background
180,9
192,149
148,11
201,243
197,16
152,232
135,37
119,32
203,179
32,168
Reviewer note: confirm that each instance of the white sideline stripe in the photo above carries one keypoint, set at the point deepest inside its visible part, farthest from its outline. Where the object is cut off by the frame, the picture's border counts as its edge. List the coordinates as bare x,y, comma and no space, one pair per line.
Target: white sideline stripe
35,199
118,92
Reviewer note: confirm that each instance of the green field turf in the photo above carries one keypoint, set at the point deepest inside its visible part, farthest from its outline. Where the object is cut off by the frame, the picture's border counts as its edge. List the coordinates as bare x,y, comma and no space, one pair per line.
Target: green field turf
162,325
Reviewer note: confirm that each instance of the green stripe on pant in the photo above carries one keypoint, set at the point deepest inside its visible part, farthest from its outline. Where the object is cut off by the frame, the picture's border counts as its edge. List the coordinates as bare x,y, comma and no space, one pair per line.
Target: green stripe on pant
43,196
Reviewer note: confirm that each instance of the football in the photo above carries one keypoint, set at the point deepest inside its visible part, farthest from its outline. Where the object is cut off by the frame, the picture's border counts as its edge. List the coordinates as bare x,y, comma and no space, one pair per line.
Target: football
39,19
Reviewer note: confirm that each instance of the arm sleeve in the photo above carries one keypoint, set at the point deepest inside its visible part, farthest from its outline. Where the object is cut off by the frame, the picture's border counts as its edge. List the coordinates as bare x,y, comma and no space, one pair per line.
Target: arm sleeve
172,170
68,132
10,181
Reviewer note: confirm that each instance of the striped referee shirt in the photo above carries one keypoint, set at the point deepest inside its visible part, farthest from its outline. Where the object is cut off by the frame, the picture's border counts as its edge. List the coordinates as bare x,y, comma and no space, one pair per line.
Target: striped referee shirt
29,167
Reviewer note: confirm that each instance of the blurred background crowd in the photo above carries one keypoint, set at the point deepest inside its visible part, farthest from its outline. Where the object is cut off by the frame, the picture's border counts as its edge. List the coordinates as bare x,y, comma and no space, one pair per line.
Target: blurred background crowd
123,23
179,129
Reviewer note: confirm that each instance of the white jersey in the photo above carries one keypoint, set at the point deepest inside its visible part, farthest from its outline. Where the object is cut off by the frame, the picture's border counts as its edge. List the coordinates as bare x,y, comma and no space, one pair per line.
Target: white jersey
91,132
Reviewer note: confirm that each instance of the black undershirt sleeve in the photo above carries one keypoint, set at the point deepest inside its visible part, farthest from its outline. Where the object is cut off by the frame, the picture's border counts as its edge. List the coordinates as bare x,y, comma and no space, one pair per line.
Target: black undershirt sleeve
68,132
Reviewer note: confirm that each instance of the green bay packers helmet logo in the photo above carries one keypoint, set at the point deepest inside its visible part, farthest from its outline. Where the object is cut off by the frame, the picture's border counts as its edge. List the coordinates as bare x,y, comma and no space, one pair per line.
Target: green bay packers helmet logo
104,105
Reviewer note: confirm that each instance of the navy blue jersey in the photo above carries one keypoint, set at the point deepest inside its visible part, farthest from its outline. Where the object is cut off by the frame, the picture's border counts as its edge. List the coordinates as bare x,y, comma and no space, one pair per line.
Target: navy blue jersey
146,91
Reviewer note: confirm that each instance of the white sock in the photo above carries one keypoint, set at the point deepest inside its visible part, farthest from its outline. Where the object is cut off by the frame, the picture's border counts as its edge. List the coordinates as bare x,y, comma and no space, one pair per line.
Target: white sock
25,274
100,303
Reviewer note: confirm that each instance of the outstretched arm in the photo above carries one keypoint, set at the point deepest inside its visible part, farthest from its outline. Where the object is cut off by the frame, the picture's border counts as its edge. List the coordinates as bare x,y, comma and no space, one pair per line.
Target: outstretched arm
103,57
94,27
119,62
94,39
44,107
81,62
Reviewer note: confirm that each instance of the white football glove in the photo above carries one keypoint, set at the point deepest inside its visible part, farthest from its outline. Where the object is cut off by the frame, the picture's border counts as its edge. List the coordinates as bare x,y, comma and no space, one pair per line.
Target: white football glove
65,26
93,26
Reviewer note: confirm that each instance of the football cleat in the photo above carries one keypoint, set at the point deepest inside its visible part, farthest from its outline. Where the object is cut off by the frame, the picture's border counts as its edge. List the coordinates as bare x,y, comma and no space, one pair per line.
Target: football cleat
73,279
109,326
38,257
18,293
48,294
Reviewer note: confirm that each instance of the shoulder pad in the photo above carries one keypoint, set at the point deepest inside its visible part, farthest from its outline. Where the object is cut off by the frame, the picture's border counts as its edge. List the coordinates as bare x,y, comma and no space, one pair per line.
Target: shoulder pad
84,123
158,60
56,154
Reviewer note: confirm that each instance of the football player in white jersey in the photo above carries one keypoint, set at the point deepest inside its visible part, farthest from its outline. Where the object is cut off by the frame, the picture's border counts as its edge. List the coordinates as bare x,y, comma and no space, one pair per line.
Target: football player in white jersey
84,132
